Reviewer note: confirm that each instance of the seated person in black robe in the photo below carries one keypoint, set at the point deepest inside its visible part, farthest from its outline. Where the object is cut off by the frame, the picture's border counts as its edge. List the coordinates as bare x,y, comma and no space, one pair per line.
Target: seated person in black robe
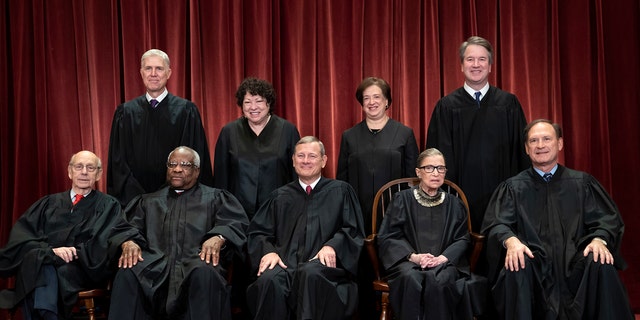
176,247
423,245
59,246
145,129
304,244
553,239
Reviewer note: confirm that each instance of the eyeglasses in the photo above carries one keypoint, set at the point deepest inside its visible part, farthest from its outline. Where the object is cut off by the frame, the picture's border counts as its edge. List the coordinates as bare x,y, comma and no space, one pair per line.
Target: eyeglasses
79,167
185,165
430,168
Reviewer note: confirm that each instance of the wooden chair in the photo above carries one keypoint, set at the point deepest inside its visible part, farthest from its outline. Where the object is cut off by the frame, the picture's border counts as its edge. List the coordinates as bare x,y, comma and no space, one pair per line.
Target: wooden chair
383,198
86,299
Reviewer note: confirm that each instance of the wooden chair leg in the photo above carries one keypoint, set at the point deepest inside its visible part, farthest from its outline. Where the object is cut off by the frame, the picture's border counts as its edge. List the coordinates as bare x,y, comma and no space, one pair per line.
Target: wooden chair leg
384,306
91,308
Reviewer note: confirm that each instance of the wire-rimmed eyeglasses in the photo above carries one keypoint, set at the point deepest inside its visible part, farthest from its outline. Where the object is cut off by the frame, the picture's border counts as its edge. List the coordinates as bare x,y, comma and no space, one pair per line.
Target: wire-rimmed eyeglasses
430,168
184,164
79,166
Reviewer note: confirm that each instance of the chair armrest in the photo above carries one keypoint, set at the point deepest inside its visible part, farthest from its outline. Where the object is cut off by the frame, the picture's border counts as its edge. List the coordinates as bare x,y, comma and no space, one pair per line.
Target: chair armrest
370,245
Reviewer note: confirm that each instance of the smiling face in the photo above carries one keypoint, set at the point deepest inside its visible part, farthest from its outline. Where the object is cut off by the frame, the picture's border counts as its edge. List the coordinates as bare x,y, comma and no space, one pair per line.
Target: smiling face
84,170
431,181
476,66
543,146
255,108
155,74
374,103
308,161
185,174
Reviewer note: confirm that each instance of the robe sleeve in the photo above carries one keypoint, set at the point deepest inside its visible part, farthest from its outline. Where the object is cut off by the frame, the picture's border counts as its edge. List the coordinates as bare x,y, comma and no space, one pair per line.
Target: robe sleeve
121,182
230,220
222,161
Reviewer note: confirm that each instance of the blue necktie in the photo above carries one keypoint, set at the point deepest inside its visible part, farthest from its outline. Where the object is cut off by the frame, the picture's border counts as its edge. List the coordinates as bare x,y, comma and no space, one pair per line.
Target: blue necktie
154,103
547,176
478,94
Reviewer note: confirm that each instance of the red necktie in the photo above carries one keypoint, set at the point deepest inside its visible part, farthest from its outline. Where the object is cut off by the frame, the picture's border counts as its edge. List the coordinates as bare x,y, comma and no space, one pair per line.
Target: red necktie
77,199
308,189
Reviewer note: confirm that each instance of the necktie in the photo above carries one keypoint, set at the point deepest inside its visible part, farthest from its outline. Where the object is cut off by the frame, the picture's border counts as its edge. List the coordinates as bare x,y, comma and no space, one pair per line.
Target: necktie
547,176
154,103
478,94
308,189
77,199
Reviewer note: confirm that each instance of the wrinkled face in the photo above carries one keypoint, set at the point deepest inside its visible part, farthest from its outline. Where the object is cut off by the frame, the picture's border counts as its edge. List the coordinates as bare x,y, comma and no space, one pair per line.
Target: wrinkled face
475,65
374,103
431,180
543,145
308,161
155,74
255,108
184,175
84,171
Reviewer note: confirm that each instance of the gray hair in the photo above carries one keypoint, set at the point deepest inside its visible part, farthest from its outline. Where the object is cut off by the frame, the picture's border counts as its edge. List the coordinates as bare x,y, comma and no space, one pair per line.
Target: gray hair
196,156
155,53
312,139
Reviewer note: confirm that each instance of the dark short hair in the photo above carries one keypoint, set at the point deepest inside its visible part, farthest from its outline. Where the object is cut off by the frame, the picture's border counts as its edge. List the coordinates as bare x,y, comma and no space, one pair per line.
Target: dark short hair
373,81
555,126
480,41
429,153
259,87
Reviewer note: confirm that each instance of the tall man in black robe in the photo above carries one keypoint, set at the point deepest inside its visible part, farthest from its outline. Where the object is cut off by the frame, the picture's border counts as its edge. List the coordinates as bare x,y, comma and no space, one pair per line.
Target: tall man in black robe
176,248
304,244
480,138
144,130
59,246
553,239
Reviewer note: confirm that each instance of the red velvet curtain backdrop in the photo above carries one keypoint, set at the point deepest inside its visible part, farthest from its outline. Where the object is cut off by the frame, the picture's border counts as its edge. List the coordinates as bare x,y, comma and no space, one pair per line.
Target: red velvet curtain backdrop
66,65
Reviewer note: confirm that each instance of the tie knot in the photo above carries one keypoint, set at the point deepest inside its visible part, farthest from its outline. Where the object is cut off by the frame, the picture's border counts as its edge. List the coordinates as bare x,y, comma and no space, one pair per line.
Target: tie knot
77,198
478,94
308,189
547,176
154,103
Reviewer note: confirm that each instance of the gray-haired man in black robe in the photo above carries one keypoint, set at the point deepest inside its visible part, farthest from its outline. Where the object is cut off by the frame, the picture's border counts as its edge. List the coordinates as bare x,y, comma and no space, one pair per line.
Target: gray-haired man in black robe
59,246
553,240
304,244
176,249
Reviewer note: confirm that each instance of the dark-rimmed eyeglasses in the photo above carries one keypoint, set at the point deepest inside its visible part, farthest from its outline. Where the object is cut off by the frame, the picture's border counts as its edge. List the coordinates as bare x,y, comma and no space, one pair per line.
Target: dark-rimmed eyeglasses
78,167
184,164
430,168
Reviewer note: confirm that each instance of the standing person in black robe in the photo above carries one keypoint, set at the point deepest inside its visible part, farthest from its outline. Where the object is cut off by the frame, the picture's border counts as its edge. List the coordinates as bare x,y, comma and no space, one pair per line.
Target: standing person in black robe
553,240
253,153
480,138
423,245
144,130
376,150
176,248
253,158
59,246
304,245
372,153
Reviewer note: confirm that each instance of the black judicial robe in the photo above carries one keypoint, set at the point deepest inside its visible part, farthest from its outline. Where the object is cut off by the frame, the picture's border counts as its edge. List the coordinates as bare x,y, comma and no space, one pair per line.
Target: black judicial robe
141,140
332,217
409,227
252,166
296,226
367,161
482,146
556,220
170,229
53,222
